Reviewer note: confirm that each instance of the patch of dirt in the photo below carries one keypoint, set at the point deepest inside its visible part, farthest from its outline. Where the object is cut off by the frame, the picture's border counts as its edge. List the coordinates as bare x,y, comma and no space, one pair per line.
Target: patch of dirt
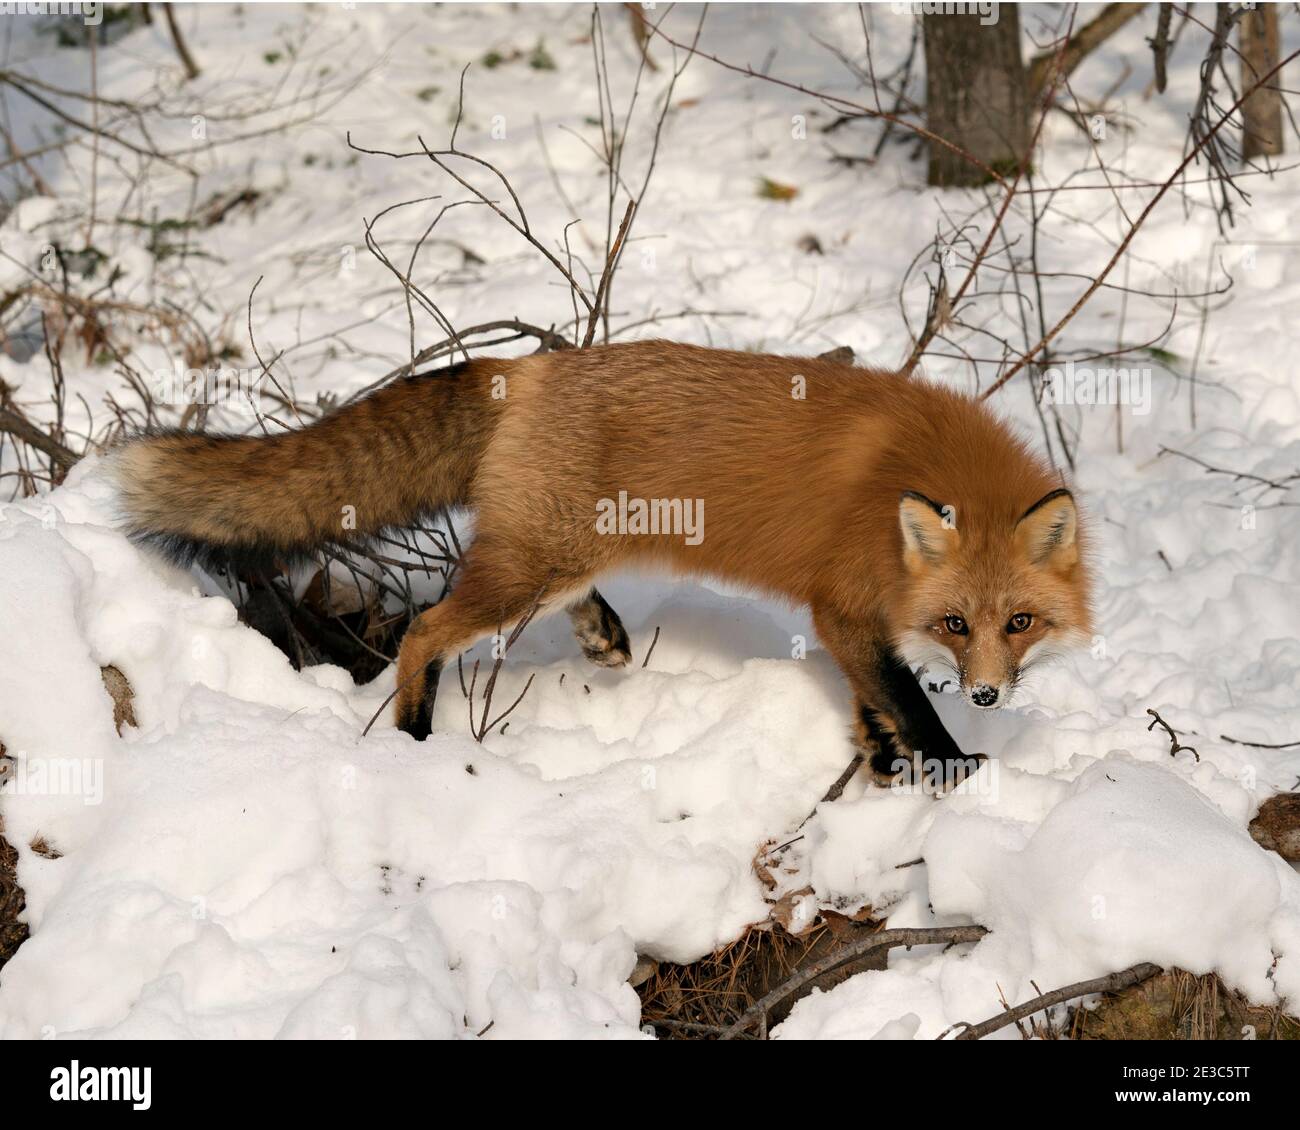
696,1001
12,901
123,696
1181,1006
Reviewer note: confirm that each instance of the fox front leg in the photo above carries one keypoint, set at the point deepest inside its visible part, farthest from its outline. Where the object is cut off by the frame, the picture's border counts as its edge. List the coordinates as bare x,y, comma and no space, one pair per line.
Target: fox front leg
910,742
896,728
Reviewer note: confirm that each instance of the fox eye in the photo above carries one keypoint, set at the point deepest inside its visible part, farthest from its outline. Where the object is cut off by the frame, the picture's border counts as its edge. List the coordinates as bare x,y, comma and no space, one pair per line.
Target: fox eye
1019,622
955,624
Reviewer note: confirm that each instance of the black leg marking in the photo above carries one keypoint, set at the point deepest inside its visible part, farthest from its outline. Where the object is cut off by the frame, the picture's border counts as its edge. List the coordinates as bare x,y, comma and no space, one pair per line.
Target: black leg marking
887,762
921,743
420,725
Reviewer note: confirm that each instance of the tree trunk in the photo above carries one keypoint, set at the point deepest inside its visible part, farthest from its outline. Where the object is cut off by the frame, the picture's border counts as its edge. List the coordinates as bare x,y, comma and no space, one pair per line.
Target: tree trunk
1262,112
187,60
977,96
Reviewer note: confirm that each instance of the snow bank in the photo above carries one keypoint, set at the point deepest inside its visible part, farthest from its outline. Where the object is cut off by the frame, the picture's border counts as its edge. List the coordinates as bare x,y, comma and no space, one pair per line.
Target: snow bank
247,865
1134,865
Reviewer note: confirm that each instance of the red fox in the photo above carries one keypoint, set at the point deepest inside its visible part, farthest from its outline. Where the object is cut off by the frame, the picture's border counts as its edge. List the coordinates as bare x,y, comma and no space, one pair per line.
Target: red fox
906,516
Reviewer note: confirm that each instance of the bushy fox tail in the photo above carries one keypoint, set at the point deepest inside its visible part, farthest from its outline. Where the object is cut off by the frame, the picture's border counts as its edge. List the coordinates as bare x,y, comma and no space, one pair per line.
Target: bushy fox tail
255,502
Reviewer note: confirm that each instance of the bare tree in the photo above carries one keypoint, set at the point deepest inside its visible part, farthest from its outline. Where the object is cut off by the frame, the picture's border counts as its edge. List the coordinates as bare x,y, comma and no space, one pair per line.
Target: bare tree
976,94
1262,111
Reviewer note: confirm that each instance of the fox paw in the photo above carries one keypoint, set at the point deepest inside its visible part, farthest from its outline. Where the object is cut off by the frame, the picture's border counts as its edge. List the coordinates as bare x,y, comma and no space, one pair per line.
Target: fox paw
415,707
600,632
614,654
935,776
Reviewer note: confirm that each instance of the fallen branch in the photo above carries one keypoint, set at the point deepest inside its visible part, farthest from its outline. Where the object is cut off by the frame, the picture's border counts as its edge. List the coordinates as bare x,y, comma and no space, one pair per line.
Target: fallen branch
1111,983
837,790
885,939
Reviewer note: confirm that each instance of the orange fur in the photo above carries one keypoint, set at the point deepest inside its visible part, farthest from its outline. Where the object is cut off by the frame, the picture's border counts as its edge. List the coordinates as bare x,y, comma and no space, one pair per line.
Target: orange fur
802,498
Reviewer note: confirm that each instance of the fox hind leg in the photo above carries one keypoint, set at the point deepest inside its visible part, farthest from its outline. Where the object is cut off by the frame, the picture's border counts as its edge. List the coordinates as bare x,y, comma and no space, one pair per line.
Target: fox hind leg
475,608
600,632
432,637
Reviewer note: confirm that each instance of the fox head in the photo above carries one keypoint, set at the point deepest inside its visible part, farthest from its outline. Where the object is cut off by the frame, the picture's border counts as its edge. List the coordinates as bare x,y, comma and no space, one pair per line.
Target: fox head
988,599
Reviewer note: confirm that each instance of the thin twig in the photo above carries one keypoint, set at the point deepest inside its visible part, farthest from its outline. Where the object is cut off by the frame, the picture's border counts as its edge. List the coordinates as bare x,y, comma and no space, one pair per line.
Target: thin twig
651,650
1175,746
603,286
1259,745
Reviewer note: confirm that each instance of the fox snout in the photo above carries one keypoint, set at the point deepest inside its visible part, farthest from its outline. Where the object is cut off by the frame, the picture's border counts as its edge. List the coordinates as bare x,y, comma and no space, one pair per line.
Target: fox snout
984,696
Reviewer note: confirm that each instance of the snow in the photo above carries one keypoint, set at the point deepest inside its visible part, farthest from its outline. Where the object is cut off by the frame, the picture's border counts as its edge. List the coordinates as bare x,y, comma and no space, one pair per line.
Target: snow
245,864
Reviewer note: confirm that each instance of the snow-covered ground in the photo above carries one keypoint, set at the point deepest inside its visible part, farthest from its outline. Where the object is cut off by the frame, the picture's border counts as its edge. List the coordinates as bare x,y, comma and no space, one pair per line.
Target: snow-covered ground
246,864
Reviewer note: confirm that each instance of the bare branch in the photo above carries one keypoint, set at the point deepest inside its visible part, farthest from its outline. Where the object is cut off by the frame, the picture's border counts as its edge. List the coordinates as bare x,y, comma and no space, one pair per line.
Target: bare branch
1079,46
187,60
1111,983
884,939
1133,230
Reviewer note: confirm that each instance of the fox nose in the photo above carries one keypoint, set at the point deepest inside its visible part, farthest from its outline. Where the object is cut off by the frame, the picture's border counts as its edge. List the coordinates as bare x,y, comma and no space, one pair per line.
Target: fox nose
984,695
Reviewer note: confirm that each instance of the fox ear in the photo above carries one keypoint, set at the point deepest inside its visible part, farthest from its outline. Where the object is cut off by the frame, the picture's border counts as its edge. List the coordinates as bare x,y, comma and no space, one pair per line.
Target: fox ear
1047,532
929,534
